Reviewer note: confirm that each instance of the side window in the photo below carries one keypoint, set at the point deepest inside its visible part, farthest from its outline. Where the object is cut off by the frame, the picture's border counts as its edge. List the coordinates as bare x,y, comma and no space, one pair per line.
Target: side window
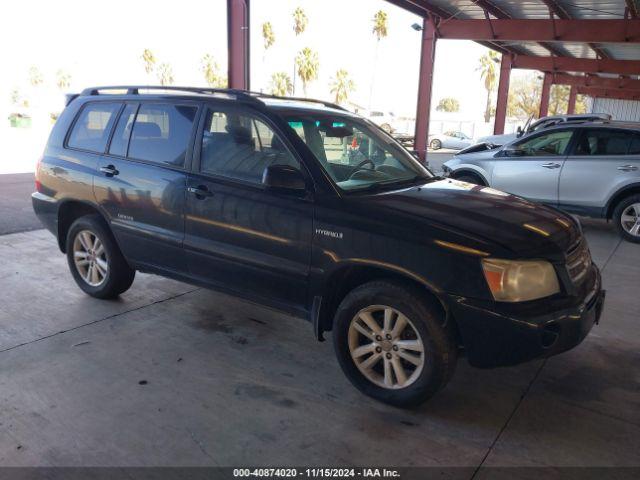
554,143
604,142
161,133
120,140
634,149
239,146
92,128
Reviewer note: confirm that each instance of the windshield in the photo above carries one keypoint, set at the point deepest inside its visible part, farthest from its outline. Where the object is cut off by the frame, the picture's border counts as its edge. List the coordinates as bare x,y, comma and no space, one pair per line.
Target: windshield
356,156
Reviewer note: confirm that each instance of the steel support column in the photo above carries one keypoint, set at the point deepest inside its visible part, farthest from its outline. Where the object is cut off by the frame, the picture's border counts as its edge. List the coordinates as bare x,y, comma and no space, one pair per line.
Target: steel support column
503,94
238,43
546,94
571,109
425,82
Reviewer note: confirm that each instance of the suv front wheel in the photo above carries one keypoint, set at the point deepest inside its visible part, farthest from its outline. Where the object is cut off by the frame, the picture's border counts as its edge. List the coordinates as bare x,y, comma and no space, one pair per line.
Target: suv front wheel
392,343
95,261
627,218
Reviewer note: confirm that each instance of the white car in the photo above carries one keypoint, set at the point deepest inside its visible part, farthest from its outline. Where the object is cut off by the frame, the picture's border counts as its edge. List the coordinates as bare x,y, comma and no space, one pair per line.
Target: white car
450,139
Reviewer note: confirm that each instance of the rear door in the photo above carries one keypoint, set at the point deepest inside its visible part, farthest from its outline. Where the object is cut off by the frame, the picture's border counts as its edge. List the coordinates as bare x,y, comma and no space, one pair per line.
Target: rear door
141,181
240,236
603,161
531,167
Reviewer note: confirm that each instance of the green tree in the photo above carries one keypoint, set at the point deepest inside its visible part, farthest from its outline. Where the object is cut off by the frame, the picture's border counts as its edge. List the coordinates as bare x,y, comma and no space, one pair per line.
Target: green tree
165,74
149,61
307,64
211,72
281,84
380,30
341,86
448,104
300,21
524,97
35,76
487,66
63,79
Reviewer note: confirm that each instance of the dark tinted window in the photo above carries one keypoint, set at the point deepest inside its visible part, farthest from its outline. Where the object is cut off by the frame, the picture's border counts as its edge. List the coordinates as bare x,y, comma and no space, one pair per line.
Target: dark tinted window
161,133
634,149
91,130
120,140
240,146
604,142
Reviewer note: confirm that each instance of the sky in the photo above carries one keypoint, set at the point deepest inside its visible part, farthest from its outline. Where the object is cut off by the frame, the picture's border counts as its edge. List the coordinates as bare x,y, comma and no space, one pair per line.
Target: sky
101,43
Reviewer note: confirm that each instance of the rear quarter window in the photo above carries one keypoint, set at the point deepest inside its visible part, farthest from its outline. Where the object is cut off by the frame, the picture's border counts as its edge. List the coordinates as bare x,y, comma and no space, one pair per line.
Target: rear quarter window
93,125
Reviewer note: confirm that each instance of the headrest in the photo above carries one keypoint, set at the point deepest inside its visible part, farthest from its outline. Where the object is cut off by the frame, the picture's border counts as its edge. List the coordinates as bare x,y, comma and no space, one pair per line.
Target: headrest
240,134
147,129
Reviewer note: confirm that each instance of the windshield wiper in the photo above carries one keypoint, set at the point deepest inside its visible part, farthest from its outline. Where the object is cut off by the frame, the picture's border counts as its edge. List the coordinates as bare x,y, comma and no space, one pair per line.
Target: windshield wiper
374,187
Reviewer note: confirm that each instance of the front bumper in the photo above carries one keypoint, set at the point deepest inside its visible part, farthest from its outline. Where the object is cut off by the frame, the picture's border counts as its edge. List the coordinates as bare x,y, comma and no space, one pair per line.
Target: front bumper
496,334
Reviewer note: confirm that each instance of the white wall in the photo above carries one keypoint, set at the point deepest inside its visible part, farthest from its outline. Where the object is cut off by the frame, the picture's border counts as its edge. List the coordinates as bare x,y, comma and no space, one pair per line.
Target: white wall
628,110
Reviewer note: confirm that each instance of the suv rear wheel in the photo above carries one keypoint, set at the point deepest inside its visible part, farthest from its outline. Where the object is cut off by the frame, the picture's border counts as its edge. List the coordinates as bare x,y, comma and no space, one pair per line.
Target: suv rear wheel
391,343
626,216
95,261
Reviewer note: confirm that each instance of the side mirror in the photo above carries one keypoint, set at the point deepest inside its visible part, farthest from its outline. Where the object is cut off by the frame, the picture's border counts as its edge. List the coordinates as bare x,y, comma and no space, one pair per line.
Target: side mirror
283,178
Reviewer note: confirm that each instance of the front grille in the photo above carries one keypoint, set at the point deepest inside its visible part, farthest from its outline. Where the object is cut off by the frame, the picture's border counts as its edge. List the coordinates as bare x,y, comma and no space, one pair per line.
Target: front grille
578,261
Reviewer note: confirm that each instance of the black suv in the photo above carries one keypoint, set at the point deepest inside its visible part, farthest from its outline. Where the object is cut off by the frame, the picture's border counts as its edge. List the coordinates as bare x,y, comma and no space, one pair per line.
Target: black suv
305,207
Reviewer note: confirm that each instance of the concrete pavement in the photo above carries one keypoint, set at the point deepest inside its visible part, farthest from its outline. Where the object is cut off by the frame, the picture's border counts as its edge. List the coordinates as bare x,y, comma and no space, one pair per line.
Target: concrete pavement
170,374
16,213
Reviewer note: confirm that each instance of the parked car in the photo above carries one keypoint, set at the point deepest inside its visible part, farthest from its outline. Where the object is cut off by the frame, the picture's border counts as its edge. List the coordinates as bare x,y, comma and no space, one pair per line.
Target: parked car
587,169
544,122
385,120
450,139
305,207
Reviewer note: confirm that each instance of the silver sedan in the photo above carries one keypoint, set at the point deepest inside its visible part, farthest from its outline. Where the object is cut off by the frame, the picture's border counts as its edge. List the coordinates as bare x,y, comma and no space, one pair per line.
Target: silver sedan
589,169
450,139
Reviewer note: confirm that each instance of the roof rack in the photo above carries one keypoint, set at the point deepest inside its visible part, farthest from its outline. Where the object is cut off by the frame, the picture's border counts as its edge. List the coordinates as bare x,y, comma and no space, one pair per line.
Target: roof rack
246,95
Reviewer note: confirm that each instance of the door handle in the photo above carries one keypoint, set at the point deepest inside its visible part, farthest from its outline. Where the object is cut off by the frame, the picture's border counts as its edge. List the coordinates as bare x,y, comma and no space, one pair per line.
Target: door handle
627,168
201,191
551,165
109,170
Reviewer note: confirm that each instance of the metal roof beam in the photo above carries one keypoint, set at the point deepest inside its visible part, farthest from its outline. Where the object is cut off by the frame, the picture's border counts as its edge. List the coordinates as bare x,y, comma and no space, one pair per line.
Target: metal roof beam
595,81
542,30
571,64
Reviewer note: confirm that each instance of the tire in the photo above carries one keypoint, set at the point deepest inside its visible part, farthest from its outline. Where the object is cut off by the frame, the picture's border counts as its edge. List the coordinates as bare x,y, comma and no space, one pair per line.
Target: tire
386,127
425,325
629,208
467,177
110,274
435,144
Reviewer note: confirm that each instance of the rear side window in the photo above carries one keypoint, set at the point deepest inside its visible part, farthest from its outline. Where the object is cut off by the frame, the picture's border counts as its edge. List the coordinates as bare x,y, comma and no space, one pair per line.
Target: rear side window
161,133
91,130
604,142
240,146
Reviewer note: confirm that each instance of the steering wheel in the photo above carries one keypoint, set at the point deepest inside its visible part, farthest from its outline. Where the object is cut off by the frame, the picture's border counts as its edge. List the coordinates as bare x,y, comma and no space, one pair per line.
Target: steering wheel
363,163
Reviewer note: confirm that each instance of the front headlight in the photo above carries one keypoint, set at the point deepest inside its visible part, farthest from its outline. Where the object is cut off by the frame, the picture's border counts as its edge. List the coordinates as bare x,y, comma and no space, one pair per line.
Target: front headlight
520,280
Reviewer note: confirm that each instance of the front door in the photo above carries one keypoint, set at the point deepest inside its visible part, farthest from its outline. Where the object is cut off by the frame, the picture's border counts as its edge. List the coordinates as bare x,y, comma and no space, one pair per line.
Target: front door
141,182
531,167
239,235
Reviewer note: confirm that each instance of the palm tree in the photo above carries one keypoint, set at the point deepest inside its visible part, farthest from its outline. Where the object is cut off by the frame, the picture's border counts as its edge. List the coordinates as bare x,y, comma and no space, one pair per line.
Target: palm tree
63,79
341,86
35,76
165,74
300,20
488,72
308,64
149,61
268,37
448,104
380,31
211,72
281,84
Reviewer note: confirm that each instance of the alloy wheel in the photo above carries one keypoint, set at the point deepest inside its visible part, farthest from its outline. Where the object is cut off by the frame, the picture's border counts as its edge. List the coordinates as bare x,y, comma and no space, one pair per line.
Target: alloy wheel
630,219
90,258
386,347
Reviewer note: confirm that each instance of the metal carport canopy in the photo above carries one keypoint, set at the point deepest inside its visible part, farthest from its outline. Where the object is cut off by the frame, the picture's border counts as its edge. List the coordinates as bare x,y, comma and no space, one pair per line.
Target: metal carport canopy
564,39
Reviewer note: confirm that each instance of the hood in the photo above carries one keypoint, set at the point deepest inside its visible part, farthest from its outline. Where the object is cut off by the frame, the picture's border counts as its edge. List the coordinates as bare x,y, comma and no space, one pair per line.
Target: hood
485,216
